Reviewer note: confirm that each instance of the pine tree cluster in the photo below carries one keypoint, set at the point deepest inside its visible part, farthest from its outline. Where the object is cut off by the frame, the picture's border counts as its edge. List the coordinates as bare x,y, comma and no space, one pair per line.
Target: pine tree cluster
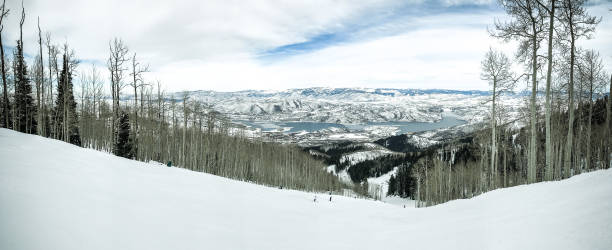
25,108
123,146
64,115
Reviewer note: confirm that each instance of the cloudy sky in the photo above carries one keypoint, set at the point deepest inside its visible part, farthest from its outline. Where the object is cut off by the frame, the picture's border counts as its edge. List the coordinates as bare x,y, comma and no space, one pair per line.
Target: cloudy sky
279,44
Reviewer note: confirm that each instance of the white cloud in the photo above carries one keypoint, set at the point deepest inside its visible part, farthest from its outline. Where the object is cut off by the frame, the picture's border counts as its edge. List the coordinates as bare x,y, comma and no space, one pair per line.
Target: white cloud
429,57
181,30
194,44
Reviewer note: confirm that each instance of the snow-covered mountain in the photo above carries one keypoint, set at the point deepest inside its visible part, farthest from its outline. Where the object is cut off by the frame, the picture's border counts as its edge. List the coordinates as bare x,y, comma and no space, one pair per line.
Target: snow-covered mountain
59,196
346,105
324,114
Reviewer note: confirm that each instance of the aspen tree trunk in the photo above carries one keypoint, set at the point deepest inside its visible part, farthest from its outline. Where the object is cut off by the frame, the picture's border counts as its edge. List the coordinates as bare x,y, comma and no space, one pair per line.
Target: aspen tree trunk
549,167
559,142
65,99
426,185
94,94
589,121
172,152
608,129
142,113
5,102
183,148
580,116
160,121
567,165
40,93
5,89
14,109
135,104
50,51
505,163
194,144
531,169
493,130
201,144
114,108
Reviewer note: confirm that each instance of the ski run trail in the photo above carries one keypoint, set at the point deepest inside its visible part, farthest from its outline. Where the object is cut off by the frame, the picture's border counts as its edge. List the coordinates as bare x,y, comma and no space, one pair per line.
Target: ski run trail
55,195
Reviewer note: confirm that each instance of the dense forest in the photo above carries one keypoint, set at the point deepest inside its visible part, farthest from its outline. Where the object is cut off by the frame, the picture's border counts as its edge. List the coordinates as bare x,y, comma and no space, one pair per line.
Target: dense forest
139,120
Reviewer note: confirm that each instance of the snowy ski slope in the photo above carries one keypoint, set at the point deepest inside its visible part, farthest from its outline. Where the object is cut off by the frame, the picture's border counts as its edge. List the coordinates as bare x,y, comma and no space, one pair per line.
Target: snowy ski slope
58,196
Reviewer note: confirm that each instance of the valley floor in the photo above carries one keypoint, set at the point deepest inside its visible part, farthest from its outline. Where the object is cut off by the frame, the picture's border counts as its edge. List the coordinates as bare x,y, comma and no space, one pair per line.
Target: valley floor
58,196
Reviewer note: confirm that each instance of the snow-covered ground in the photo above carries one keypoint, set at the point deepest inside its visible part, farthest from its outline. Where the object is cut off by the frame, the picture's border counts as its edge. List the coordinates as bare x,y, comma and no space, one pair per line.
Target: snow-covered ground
58,196
361,156
378,186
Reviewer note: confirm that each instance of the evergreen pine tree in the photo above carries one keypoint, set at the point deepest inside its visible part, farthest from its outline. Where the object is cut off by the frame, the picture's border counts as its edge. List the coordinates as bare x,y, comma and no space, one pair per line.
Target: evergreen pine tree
123,146
392,186
25,108
65,117
6,120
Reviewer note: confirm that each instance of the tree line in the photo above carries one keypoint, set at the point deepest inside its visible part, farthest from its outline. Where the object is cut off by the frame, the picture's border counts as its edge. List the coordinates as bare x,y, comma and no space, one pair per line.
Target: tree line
147,124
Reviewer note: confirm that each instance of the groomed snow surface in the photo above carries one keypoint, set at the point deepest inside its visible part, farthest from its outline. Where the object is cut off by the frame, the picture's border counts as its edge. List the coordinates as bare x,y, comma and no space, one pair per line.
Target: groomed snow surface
58,196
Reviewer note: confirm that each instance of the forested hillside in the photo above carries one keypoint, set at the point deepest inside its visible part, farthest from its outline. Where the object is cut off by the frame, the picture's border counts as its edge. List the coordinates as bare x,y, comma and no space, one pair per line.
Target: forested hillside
461,168
564,127
138,120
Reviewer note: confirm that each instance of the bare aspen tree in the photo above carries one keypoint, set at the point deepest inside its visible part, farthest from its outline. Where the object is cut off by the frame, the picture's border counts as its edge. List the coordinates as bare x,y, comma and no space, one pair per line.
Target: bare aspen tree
550,10
85,97
52,62
5,101
137,81
41,94
592,69
143,89
37,77
495,69
117,58
160,120
527,26
185,118
580,116
576,23
172,148
95,88
608,128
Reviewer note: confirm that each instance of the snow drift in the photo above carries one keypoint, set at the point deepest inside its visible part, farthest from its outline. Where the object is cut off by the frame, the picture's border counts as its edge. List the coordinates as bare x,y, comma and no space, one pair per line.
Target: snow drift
58,196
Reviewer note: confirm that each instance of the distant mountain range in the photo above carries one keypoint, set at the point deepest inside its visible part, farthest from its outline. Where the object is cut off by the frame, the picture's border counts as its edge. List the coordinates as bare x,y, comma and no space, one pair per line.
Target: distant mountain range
324,92
346,105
